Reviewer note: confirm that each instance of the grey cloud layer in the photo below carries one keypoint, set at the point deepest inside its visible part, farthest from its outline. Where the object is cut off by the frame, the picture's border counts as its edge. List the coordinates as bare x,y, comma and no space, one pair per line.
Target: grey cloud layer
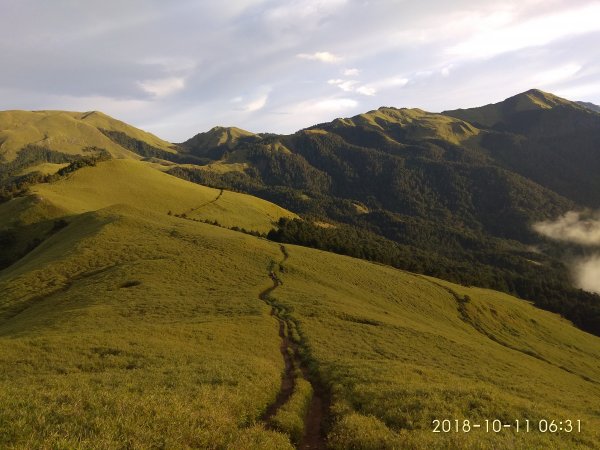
177,68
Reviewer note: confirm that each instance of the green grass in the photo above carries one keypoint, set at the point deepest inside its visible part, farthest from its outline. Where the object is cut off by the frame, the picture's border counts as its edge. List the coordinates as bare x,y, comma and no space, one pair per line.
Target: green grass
188,356
290,417
492,114
139,185
397,354
415,123
216,137
134,328
68,132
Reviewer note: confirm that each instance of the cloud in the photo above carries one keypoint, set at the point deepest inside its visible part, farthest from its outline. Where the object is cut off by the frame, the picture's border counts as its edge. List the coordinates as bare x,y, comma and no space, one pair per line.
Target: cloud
323,105
580,91
257,104
162,87
293,11
325,57
366,90
588,274
335,104
581,228
80,55
506,34
371,89
344,85
446,70
555,75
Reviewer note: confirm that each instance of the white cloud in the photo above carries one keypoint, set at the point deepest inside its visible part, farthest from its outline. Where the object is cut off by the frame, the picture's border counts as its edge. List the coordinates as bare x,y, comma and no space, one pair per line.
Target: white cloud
505,35
257,104
325,57
344,85
371,89
446,70
335,104
588,274
581,228
114,107
351,72
580,91
302,10
578,227
162,87
329,104
171,65
366,90
555,75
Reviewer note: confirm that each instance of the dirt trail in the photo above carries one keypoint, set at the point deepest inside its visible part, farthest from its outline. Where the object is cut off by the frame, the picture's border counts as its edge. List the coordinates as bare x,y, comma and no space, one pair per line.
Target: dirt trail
288,381
318,411
462,301
203,204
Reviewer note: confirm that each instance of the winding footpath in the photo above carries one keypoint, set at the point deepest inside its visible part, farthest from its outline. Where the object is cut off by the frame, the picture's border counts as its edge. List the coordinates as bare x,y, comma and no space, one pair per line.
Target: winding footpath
318,410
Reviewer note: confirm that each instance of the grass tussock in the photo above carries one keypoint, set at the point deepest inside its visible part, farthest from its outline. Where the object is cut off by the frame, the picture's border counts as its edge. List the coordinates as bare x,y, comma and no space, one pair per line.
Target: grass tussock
290,417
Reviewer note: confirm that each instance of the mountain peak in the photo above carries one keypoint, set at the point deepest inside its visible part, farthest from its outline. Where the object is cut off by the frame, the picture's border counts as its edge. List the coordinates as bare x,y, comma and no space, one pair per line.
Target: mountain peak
536,99
217,137
502,112
68,132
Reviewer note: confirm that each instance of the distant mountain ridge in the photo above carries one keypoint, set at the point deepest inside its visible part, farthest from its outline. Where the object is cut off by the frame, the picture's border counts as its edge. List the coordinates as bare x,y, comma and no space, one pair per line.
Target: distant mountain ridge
461,186
450,194
590,106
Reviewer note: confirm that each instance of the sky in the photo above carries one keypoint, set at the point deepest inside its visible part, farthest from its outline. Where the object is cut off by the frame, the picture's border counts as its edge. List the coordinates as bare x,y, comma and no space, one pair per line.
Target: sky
177,68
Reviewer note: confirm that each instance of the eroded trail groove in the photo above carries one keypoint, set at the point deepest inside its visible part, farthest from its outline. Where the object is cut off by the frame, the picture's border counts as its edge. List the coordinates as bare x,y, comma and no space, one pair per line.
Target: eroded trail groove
197,208
314,435
288,380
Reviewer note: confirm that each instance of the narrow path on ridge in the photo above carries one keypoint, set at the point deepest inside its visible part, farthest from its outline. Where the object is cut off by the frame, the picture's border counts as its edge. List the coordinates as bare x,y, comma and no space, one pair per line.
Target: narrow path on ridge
318,410
206,203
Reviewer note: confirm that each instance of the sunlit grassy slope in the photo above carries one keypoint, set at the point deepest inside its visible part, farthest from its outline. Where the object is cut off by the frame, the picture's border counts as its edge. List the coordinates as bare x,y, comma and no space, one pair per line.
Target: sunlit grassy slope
413,124
139,185
68,132
492,114
217,137
399,350
133,328
139,331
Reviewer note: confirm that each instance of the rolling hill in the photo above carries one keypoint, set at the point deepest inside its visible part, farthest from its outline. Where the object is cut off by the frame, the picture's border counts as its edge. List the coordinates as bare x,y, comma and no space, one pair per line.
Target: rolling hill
67,132
130,326
142,310
547,139
453,195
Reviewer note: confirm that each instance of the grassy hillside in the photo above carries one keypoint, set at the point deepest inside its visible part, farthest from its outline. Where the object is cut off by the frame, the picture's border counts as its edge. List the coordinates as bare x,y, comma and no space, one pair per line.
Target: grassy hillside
458,191
127,321
137,184
140,329
400,350
142,333
67,132
502,112
400,125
